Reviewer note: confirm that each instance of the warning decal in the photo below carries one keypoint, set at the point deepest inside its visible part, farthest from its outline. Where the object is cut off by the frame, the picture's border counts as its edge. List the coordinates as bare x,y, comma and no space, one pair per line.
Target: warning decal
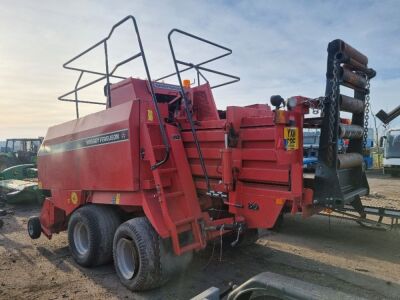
291,136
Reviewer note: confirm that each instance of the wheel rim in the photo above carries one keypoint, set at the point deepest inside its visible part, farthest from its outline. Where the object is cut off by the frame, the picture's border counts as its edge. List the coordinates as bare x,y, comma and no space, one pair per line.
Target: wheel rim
81,238
30,228
126,258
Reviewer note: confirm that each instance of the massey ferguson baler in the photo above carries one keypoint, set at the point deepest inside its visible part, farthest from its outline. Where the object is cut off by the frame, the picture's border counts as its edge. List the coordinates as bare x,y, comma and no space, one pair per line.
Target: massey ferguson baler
161,171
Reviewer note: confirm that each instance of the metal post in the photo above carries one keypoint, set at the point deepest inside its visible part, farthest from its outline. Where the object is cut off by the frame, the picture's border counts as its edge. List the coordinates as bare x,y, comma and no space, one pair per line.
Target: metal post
107,75
76,95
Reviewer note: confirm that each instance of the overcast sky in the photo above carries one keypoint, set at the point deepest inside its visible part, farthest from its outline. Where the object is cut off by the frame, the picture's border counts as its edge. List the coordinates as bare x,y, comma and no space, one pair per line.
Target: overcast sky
279,47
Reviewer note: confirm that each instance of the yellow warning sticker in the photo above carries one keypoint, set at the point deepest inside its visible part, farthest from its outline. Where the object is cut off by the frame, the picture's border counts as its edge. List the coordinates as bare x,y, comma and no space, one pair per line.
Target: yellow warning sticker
74,198
150,115
291,136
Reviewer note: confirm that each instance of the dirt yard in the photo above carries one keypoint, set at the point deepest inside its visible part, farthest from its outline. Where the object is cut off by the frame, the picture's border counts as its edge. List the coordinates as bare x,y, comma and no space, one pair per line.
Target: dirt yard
332,252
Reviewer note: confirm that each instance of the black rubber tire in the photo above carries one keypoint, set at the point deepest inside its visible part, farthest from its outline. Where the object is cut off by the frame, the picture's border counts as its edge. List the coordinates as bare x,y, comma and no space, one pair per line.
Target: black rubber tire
34,228
101,222
156,261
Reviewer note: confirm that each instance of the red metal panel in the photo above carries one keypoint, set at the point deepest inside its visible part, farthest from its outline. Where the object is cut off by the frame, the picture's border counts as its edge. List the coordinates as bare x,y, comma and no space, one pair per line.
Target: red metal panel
264,175
213,171
259,154
123,92
208,153
257,134
117,198
257,121
152,209
206,135
111,166
202,125
259,206
203,103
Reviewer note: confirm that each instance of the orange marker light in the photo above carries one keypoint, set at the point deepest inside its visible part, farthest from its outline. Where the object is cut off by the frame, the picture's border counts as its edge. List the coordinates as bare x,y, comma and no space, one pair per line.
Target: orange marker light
279,201
186,83
280,117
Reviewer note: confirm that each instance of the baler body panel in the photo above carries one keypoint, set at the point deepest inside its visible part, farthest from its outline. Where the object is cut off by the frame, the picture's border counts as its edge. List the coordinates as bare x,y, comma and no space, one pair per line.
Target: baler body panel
266,176
96,152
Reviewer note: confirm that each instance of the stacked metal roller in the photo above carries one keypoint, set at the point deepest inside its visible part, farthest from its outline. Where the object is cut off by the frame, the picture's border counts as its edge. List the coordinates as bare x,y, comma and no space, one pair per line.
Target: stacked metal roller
354,74
339,177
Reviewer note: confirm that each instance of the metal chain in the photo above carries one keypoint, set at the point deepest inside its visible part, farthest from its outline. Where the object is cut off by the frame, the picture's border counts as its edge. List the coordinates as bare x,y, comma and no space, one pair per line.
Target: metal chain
366,115
316,104
321,105
332,110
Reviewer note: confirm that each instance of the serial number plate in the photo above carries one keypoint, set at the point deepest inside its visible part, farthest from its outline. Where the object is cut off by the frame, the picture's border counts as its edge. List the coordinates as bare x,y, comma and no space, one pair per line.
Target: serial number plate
291,136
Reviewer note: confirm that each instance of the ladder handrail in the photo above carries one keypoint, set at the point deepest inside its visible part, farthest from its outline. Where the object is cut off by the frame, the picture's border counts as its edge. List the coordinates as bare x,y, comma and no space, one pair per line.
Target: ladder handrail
110,74
197,67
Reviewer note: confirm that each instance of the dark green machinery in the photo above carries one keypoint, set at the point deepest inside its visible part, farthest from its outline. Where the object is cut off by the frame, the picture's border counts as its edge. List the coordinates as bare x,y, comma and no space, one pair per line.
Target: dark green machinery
18,184
19,151
18,173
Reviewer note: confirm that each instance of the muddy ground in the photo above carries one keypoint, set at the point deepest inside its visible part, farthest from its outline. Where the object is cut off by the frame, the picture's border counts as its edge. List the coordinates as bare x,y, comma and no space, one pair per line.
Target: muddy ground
332,252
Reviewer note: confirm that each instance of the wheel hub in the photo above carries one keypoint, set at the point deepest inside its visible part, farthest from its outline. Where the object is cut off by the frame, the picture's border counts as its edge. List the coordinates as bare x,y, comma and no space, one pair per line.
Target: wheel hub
126,258
81,238
30,228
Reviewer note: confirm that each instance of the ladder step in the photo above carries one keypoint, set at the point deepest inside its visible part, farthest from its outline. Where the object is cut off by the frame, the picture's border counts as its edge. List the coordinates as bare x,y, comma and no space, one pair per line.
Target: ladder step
152,124
190,247
184,221
165,171
173,195
150,184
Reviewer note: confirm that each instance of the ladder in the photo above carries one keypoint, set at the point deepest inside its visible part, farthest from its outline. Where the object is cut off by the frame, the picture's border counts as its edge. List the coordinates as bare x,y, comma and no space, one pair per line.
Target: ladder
199,68
179,205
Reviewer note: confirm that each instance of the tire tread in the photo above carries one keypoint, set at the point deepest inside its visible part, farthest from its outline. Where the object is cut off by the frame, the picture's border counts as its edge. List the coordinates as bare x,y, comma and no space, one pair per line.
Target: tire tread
102,222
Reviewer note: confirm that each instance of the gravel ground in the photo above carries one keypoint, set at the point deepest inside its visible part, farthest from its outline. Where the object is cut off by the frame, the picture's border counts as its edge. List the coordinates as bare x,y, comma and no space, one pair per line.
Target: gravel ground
332,252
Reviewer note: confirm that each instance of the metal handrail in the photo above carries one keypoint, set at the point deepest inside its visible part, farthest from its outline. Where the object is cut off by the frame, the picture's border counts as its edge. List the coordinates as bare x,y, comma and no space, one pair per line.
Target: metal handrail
110,74
197,67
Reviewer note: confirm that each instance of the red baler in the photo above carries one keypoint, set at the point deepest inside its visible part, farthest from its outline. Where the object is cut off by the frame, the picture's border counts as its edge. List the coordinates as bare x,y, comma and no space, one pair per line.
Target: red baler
161,171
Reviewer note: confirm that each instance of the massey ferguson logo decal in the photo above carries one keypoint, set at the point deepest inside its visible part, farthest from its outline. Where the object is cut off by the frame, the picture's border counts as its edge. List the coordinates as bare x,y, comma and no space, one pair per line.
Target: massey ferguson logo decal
103,139
107,138
161,85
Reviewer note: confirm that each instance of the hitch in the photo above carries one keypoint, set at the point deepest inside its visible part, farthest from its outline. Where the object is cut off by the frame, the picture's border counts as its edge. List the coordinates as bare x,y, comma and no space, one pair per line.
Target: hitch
239,227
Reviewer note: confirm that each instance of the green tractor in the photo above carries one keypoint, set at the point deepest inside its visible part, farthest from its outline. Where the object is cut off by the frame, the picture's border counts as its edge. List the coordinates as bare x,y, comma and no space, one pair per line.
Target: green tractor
18,173
19,151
